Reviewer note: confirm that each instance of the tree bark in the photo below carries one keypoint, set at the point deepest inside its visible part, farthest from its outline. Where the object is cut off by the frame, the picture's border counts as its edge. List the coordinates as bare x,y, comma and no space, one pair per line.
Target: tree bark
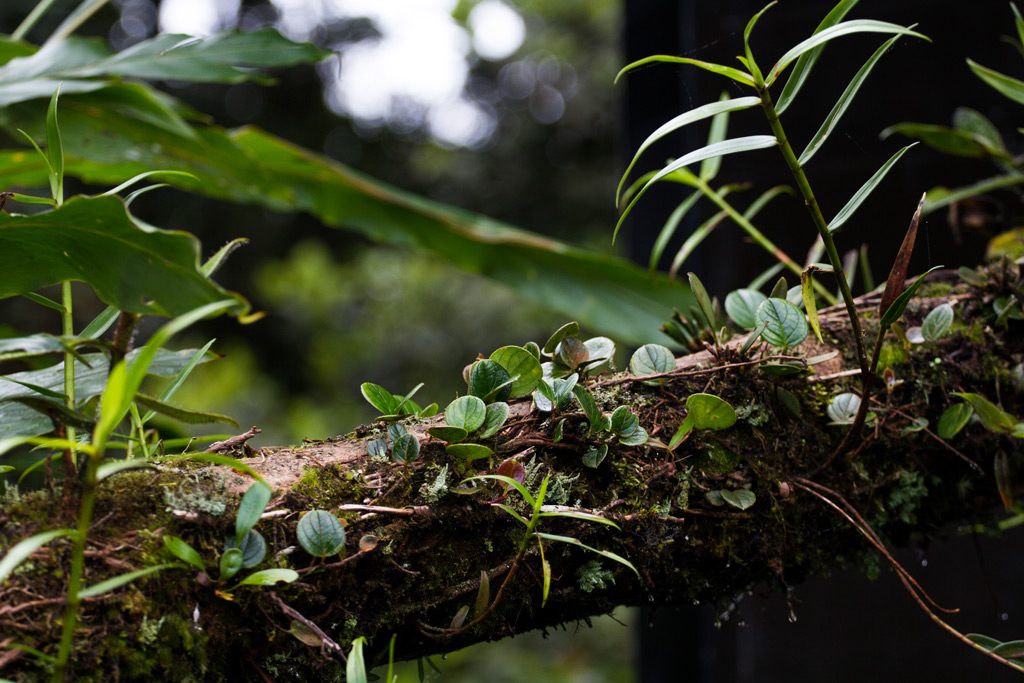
433,540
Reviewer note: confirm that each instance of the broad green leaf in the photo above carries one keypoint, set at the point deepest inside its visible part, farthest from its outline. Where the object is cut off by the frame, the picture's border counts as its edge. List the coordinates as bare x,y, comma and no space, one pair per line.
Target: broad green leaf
489,380
844,102
252,505
22,550
652,359
941,138
843,408
355,666
734,146
810,303
116,582
380,398
973,122
865,190
181,414
740,498
727,71
983,640
842,29
449,434
741,306
104,145
953,419
707,411
95,240
268,577
1005,85
405,449
893,313
253,547
570,329
184,552
467,412
992,416
320,533
805,63
692,116
494,419
938,322
230,563
522,366
469,451
784,323
603,553
1012,649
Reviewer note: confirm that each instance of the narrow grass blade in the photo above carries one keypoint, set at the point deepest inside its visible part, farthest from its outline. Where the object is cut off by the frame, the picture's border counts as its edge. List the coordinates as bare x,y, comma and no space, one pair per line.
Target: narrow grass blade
842,29
55,150
745,144
22,550
807,60
866,189
716,133
100,323
810,304
941,197
603,553
844,101
142,176
118,581
670,227
692,116
693,241
727,71
1006,85
750,62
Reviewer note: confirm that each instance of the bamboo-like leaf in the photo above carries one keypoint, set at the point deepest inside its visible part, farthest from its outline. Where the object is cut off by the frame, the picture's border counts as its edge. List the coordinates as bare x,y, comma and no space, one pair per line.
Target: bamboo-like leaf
1007,86
703,300
734,146
699,234
668,231
975,123
842,29
112,467
749,60
181,414
941,197
142,176
118,581
865,190
23,549
844,101
810,303
55,150
603,553
944,139
806,61
727,71
716,133
692,116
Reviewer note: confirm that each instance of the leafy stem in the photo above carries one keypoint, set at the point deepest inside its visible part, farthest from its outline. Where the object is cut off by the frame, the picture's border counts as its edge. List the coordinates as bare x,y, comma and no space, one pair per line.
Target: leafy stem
68,330
804,187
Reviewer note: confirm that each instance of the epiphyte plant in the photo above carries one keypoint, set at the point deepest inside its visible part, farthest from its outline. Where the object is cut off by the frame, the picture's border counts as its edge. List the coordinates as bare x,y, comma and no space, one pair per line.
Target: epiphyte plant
802,58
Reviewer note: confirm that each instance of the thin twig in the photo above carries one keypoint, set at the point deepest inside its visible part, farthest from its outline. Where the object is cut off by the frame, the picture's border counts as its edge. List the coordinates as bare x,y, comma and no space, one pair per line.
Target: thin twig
694,373
327,644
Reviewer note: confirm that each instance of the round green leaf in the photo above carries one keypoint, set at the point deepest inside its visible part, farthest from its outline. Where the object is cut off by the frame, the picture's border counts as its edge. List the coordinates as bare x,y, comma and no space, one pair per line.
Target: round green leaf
253,547
469,451
406,448
741,306
741,498
785,324
532,348
448,434
522,365
321,534
652,359
843,408
708,411
624,422
938,322
566,330
494,419
230,563
488,379
467,412
953,419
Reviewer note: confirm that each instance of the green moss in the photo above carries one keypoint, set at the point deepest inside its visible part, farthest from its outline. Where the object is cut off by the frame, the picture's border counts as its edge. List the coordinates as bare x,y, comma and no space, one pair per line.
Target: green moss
591,576
329,486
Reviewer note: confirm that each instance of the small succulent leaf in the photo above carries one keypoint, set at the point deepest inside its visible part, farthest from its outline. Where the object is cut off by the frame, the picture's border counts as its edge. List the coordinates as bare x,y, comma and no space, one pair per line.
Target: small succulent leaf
377,448
467,412
469,451
368,543
545,568
230,563
522,366
562,390
953,419
489,378
805,63
994,418
428,411
740,498
938,322
866,189
253,547
252,505
842,409
533,348
570,329
184,552
595,455
448,434
460,617
652,359
321,534
268,577
729,72
494,419
741,306
785,325
405,448
780,289
513,469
